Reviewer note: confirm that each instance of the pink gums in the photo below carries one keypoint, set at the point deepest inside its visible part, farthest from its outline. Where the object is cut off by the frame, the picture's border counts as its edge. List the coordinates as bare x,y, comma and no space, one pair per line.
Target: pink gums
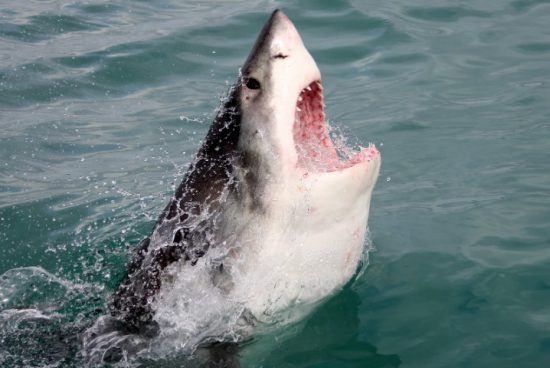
316,150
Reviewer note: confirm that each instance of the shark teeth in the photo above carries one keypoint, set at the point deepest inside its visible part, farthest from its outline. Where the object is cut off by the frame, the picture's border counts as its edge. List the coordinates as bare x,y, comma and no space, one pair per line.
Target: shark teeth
311,136
315,148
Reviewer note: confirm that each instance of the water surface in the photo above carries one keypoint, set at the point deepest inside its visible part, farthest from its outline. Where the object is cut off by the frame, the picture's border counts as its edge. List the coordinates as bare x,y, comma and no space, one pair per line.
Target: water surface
103,104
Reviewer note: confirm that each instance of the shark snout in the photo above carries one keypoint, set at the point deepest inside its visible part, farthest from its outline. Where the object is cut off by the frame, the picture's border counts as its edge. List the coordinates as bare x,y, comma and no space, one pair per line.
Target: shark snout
285,37
279,46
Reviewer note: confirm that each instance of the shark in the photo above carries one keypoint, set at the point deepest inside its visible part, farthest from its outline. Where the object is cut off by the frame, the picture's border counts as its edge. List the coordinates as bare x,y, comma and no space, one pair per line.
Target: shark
272,213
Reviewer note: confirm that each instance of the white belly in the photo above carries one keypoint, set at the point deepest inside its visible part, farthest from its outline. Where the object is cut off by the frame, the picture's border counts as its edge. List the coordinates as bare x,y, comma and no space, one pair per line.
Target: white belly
289,272
303,253
285,259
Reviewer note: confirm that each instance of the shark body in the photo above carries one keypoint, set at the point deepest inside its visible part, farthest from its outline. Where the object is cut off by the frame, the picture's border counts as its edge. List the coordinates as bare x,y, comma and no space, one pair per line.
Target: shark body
271,214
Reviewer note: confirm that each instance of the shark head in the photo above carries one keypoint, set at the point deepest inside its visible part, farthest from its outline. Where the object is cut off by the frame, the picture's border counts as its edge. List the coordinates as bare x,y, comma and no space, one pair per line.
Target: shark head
275,80
283,126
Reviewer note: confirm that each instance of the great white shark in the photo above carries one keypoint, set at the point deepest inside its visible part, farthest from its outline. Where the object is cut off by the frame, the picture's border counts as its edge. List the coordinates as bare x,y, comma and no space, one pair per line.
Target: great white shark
271,211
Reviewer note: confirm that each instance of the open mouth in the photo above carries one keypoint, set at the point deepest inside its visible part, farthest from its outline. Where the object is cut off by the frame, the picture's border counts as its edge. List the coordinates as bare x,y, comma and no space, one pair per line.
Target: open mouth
315,148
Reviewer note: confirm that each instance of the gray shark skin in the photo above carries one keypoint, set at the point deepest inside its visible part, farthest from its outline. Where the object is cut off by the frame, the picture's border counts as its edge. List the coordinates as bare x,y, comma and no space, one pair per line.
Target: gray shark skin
201,187
270,186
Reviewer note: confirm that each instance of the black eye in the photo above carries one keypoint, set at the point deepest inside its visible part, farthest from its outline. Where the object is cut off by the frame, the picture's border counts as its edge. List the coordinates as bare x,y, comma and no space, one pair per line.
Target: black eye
252,83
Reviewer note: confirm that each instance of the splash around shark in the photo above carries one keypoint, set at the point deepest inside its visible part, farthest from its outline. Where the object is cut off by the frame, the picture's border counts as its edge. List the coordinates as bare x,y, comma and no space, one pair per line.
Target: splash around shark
270,218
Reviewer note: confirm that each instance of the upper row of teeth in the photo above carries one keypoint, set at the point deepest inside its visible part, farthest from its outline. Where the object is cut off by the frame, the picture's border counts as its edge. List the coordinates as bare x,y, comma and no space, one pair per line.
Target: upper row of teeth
308,88
317,84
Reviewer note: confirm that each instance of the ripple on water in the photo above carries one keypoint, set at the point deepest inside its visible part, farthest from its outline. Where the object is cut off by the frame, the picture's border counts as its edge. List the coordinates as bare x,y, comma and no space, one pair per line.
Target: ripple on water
535,47
44,26
527,5
444,13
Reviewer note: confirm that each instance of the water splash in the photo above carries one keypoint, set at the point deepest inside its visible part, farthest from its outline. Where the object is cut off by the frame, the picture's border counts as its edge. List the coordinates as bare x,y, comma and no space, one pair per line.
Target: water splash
42,315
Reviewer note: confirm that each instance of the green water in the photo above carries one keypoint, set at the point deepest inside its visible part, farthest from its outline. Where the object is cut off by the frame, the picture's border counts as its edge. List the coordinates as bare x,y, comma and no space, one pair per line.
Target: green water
103,104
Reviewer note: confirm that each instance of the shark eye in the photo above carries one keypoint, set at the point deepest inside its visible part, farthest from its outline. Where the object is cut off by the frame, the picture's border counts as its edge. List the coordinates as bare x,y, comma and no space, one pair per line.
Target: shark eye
252,83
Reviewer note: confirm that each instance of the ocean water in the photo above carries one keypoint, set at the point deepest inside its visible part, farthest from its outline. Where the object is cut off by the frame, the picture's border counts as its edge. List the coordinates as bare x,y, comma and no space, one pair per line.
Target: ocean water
104,103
